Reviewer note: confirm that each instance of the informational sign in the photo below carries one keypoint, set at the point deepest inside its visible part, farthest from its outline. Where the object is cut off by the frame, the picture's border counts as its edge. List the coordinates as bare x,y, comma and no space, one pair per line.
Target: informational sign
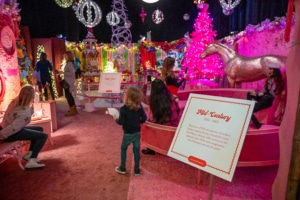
110,83
211,133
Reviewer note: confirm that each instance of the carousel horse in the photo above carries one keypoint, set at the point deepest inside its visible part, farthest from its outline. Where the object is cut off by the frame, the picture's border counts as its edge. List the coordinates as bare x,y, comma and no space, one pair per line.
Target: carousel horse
240,68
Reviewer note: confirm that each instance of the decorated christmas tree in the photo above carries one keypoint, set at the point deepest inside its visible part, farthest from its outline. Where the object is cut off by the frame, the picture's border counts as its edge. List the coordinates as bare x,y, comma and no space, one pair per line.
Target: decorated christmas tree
209,67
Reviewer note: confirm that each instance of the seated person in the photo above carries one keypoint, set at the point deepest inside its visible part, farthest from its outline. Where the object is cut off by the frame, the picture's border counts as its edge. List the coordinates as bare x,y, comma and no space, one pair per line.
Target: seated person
274,85
14,126
163,107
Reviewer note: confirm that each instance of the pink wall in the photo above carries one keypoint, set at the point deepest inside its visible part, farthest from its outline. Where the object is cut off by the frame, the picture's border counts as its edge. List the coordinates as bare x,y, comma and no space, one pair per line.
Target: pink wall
262,43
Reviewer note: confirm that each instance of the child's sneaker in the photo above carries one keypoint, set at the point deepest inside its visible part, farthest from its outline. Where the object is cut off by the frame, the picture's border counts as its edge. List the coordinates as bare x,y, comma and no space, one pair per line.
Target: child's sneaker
137,172
120,170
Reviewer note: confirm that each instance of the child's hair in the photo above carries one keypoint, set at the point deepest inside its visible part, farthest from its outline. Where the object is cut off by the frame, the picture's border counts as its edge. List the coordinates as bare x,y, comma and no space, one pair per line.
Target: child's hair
168,65
133,98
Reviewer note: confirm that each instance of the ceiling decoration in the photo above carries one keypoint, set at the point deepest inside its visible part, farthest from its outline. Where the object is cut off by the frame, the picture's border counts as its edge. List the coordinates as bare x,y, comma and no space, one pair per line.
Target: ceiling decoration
157,16
186,16
143,15
113,18
121,32
89,13
228,7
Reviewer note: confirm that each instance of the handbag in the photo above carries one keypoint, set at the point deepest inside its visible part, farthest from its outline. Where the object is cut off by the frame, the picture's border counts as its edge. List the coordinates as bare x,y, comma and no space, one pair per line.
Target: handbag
64,84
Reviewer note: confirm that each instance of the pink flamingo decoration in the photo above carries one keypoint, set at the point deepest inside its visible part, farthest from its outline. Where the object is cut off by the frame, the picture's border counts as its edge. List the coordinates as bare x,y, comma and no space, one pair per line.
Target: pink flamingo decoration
143,15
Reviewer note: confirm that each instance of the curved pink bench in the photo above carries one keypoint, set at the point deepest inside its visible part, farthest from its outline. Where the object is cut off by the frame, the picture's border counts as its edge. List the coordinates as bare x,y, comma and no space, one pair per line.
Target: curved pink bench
157,137
260,148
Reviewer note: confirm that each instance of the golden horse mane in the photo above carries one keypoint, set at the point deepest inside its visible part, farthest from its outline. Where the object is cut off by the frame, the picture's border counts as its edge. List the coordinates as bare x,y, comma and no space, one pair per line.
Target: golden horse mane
224,47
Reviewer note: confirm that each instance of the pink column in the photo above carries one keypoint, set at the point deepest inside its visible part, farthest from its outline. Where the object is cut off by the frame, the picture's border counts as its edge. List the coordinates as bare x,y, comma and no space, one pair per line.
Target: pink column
286,131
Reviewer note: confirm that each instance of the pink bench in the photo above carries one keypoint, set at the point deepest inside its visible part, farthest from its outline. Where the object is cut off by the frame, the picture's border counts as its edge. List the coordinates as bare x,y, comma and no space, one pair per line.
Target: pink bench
11,149
260,148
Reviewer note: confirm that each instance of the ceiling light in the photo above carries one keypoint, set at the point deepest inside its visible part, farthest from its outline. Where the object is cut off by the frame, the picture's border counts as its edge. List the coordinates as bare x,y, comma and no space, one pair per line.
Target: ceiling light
150,1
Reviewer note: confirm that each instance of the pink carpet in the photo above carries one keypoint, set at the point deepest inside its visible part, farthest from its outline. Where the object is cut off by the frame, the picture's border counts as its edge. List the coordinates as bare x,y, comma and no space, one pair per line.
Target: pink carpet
163,177
80,166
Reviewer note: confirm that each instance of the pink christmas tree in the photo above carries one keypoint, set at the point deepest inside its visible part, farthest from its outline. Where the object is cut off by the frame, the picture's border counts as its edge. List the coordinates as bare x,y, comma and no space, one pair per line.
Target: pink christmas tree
209,67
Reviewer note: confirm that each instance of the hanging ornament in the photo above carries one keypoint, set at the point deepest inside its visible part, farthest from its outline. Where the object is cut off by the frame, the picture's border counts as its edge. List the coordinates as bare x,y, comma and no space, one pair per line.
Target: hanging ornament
227,11
89,13
128,24
157,16
143,15
113,18
74,6
186,16
228,7
64,3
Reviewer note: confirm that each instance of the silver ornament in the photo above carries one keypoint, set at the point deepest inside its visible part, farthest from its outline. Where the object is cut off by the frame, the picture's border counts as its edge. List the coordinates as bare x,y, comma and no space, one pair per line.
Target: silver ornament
128,24
186,16
157,16
89,13
227,11
113,18
228,7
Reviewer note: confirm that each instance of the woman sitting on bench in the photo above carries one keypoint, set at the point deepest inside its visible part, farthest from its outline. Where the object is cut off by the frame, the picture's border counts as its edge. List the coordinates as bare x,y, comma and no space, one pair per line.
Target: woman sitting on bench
13,126
274,85
163,107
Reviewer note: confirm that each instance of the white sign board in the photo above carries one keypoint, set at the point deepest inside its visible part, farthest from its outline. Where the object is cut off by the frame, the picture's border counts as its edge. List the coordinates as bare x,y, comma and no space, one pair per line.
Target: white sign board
110,83
211,133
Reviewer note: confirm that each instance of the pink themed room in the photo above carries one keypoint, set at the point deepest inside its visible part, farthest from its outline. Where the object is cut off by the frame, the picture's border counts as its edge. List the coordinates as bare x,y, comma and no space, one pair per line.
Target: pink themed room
149,99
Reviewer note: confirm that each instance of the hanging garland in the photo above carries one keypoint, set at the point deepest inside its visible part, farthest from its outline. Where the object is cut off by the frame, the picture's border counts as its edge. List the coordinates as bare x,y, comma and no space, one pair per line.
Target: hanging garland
151,46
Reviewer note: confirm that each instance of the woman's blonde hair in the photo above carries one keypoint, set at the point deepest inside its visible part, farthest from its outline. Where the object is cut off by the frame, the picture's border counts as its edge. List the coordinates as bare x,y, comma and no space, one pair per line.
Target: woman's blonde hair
168,65
133,98
70,56
25,97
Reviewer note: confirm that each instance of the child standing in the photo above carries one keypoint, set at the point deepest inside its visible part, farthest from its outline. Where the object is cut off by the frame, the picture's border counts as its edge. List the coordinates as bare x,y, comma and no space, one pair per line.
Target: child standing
131,116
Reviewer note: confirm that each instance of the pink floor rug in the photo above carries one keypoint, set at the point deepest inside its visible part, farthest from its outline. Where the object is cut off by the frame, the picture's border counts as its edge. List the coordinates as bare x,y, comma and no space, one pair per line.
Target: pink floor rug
80,166
163,177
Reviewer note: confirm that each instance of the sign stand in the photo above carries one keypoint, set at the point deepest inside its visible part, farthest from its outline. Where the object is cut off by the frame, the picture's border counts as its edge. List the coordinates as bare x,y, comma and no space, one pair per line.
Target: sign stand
112,100
211,184
110,83
211,133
